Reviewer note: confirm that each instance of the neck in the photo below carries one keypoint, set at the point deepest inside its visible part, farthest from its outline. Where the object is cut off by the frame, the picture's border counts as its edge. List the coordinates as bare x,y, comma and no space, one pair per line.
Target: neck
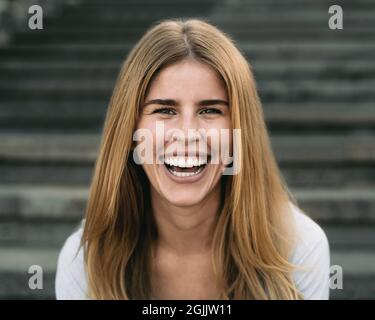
186,230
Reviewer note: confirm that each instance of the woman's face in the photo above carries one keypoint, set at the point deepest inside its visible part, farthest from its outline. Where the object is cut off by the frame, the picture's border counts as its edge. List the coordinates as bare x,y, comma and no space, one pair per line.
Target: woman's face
188,95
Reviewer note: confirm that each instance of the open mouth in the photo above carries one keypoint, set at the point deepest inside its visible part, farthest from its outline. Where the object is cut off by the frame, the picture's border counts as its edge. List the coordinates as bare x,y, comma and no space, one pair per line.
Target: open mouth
185,166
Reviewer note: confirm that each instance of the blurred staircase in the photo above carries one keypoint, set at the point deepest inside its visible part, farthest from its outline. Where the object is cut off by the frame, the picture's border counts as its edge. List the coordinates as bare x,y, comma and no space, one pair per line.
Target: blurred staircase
317,88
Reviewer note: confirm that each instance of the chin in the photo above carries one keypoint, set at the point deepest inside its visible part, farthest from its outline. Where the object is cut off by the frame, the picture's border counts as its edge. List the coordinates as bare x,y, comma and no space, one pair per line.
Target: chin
184,198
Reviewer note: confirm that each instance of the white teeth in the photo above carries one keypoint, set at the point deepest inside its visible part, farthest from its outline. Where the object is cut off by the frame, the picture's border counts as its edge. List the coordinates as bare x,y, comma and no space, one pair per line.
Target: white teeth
190,162
183,162
185,174
201,162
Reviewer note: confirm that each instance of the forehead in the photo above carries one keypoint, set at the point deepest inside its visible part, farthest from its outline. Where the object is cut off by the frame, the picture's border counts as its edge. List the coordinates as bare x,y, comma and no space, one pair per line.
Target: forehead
188,77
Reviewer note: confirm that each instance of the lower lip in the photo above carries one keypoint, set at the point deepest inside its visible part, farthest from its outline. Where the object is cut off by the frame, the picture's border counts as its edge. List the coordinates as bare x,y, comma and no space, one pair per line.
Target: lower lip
190,179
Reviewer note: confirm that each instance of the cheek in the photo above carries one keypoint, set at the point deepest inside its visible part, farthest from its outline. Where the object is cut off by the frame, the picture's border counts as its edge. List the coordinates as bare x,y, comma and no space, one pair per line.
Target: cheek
228,134
221,142
147,126
145,123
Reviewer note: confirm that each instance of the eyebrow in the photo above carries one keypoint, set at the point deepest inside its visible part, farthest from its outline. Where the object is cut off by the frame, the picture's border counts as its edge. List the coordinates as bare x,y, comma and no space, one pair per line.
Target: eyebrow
172,102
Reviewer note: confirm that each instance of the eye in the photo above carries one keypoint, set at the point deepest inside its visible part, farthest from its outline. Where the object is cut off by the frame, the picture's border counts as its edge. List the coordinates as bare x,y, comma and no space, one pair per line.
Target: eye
165,111
211,111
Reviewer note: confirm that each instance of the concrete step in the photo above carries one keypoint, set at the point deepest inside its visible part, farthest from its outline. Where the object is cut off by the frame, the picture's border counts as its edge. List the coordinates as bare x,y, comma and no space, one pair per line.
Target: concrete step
96,3
59,174
244,20
142,3
150,8
324,149
340,205
327,176
307,51
78,148
89,36
279,11
42,203
350,237
358,273
72,115
34,233
293,90
143,8
309,15
241,11
279,69
14,276
67,203
298,5
240,19
309,114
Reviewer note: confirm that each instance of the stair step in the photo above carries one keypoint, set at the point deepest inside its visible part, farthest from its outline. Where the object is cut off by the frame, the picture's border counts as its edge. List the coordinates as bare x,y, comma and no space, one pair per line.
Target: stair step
291,27
279,69
309,114
283,16
260,50
56,37
242,19
50,115
272,3
68,203
242,12
331,206
142,3
270,90
327,176
350,237
73,148
14,276
42,203
45,233
60,174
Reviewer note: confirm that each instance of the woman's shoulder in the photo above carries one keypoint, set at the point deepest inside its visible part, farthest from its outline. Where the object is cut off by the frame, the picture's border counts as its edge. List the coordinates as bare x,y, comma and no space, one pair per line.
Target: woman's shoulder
311,256
309,232
71,281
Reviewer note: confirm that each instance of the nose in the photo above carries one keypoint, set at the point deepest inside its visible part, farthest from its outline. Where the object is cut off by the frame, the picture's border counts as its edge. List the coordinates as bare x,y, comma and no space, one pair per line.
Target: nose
186,130
189,120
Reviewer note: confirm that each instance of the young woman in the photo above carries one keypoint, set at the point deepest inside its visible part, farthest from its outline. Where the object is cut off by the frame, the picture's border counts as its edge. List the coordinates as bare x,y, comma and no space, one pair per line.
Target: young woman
182,228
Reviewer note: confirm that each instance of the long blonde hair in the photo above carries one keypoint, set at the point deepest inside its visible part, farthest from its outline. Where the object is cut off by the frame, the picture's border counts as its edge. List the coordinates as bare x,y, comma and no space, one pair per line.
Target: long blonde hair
252,239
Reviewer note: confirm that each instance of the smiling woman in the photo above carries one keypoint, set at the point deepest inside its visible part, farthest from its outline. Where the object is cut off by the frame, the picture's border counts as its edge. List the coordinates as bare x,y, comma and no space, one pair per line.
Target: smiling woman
189,82
180,228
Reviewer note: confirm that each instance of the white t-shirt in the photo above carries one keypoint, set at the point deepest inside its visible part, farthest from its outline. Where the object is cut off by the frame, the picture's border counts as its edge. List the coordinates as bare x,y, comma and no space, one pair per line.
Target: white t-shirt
311,252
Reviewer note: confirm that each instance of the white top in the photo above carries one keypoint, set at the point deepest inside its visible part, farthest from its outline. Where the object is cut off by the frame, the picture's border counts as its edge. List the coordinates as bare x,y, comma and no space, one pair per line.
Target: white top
312,252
